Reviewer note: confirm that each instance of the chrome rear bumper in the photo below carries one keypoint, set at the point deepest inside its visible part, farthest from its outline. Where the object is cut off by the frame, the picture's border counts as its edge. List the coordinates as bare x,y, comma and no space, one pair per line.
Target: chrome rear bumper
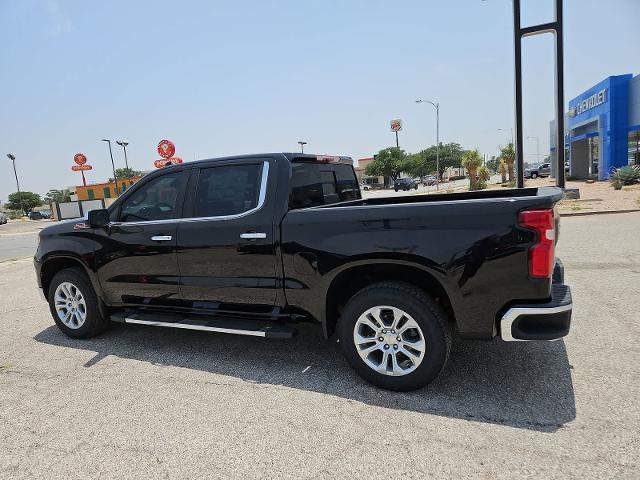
546,321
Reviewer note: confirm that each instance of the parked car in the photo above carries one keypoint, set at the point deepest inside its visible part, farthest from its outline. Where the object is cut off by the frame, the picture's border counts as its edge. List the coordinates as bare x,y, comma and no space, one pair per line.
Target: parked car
429,180
365,186
405,184
46,214
252,245
34,215
542,170
3,218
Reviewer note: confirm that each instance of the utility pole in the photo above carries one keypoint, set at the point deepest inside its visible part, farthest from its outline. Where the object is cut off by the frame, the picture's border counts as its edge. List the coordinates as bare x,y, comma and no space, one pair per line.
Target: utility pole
302,144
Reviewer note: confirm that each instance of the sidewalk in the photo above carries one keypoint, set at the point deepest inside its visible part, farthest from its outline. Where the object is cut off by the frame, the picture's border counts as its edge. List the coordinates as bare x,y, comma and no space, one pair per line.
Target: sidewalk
595,197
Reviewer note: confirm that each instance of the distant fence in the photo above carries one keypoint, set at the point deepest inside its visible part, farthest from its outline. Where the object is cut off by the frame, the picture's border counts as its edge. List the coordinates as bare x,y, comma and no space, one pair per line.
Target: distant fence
68,210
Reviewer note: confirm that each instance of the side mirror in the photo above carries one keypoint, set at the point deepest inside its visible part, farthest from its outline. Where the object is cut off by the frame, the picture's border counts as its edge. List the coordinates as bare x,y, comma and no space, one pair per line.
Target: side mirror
99,218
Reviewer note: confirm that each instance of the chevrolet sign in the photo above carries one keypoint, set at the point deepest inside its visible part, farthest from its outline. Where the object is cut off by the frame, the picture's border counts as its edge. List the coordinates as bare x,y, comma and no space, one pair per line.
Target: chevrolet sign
594,100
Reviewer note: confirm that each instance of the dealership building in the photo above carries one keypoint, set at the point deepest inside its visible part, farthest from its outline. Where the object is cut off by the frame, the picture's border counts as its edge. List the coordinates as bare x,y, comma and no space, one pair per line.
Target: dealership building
602,128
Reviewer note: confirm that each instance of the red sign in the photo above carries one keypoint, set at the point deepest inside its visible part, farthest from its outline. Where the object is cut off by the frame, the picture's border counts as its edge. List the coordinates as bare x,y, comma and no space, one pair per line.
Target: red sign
161,163
166,148
79,168
80,158
165,162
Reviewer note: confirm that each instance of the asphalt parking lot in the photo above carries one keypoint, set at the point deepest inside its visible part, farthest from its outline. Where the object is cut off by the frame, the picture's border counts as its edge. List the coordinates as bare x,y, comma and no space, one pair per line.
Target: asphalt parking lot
148,402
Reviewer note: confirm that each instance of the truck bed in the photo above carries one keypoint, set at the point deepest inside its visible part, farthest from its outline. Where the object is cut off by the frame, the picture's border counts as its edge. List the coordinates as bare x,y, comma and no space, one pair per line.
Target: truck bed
552,193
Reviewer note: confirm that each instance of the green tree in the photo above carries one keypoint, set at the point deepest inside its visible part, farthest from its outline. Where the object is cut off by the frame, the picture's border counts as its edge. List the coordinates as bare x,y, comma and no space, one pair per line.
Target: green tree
126,173
483,177
389,162
472,161
25,201
450,156
493,164
508,154
416,166
58,196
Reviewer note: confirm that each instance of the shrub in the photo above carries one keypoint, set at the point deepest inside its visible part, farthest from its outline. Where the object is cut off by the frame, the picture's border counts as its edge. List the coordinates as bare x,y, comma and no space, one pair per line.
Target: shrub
628,175
616,183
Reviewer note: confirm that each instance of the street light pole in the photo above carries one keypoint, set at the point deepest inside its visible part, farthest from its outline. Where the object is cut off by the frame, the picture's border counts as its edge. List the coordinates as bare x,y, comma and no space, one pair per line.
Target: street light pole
302,144
436,105
124,144
113,165
12,157
537,147
509,129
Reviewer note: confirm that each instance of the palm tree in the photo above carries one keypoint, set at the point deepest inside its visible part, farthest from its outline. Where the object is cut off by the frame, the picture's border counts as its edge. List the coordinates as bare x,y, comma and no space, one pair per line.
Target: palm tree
471,160
503,170
508,154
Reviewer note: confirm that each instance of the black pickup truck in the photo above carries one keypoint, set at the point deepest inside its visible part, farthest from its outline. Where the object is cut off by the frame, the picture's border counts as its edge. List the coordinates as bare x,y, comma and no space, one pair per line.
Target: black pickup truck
253,244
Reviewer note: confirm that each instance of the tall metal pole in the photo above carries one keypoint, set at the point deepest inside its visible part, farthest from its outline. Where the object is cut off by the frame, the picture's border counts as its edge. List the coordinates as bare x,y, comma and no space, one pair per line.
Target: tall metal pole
438,146
397,142
519,33
113,165
12,157
126,161
124,144
436,105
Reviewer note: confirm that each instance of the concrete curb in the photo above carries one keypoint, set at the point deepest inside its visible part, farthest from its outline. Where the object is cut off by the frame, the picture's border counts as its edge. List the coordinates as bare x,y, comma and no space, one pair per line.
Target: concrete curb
603,212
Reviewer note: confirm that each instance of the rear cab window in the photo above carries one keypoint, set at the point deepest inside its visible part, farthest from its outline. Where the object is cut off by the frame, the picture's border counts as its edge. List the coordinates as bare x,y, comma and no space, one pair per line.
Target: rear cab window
315,183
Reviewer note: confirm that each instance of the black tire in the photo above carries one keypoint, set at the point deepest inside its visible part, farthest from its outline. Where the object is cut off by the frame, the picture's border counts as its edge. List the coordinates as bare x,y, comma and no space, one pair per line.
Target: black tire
396,189
94,323
427,314
416,187
534,175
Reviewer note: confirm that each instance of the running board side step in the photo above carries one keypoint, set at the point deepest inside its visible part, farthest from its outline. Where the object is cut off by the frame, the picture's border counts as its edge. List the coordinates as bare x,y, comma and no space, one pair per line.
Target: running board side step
235,326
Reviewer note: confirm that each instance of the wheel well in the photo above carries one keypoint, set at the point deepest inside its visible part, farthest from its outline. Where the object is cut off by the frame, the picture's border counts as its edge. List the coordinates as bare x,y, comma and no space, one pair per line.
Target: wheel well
351,281
53,266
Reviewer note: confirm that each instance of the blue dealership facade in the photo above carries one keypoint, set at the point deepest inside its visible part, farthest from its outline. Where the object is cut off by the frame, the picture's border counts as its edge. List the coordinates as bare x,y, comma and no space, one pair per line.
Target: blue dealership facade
602,128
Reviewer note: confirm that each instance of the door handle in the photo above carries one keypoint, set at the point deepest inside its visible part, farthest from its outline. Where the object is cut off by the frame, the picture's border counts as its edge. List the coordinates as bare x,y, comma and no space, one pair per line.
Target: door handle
253,235
161,238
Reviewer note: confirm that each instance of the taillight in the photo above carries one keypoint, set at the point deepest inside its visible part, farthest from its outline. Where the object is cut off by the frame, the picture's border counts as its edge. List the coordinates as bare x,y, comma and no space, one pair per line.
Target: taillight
542,254
327,159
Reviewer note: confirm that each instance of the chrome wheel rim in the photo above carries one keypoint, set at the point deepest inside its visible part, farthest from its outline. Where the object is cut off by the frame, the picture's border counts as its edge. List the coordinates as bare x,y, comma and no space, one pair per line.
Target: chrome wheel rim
389,340
70,305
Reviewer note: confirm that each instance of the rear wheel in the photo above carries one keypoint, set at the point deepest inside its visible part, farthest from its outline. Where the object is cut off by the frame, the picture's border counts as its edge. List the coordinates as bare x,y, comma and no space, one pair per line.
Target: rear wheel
74,304
534,175
395,336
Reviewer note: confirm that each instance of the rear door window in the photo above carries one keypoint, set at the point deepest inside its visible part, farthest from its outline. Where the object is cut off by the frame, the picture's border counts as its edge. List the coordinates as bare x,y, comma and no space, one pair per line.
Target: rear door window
228,190
314,184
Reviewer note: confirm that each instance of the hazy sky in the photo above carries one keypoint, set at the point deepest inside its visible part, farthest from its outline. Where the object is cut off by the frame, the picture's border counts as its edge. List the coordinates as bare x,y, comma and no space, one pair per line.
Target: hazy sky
222,78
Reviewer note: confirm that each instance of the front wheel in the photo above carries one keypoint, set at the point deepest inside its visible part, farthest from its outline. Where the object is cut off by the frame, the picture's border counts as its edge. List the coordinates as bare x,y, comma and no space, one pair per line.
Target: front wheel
74,304
395,336
534,175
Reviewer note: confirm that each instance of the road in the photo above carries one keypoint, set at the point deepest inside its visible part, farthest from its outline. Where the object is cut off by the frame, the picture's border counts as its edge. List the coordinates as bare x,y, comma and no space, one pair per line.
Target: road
147,402
17,245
